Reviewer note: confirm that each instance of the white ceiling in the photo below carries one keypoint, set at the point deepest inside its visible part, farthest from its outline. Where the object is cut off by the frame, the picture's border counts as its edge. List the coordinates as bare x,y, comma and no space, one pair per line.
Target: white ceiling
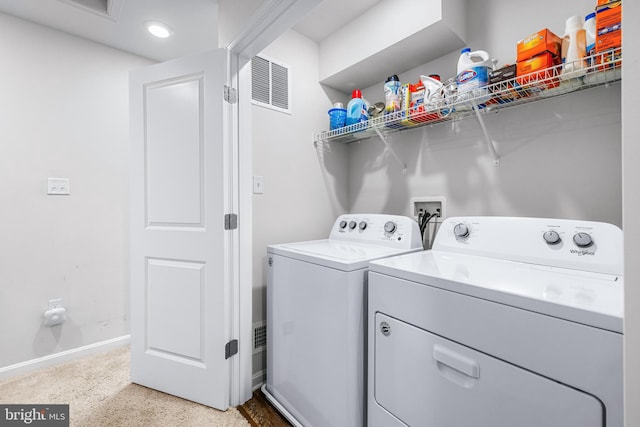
332,15
193,21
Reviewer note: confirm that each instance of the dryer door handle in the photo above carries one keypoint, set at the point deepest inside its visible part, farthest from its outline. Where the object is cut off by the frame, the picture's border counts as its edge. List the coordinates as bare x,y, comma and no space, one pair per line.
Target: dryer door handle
453,360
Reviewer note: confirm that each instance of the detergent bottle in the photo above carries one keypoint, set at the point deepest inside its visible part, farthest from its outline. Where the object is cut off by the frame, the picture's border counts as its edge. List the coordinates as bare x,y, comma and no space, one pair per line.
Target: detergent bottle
574,45
356,109
473,78
392,97
590,36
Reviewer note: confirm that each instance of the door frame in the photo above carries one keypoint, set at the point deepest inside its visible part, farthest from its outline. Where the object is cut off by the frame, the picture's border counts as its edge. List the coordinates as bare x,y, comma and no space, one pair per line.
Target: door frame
272,19
242,371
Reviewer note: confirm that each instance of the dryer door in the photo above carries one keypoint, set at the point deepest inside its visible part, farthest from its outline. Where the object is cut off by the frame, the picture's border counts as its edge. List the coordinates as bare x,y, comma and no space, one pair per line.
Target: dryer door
423,379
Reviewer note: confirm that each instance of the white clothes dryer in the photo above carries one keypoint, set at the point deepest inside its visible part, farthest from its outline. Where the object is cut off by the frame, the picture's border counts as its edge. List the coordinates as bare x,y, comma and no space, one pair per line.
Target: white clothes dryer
506,322
316,317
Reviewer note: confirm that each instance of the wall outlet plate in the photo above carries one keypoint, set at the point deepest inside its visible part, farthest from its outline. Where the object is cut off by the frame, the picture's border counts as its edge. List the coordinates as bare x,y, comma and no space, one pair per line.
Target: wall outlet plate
55,303
58,186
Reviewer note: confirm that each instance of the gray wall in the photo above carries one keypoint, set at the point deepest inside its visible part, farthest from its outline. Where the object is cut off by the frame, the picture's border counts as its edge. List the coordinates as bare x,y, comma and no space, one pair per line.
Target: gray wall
559,158
64,111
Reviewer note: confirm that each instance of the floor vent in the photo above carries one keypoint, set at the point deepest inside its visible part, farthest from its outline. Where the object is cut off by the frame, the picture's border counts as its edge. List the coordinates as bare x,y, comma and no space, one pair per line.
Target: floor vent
259,336
271,84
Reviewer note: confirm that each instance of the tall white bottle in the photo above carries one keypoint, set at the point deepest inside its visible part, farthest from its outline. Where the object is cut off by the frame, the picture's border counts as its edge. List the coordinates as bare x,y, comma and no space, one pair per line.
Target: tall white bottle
473,77
574,45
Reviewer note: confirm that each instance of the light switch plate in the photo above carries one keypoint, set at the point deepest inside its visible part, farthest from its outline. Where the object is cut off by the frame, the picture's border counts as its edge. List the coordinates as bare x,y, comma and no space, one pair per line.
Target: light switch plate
258,184
58,186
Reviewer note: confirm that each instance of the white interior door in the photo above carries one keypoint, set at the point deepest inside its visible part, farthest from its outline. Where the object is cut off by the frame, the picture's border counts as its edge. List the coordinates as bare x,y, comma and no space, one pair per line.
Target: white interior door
181,266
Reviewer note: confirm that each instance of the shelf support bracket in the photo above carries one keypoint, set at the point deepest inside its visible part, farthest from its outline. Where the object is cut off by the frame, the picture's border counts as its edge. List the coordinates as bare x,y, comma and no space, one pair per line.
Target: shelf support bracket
492,148
385,142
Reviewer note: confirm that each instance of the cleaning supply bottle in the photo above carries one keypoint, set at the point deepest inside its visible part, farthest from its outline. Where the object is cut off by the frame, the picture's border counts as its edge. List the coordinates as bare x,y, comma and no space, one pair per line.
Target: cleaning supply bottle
473,77
356,109
392,97
574,45
590,35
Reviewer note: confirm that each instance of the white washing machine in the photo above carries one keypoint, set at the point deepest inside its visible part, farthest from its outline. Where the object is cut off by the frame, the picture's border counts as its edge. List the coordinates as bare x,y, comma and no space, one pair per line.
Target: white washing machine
316,317
506,322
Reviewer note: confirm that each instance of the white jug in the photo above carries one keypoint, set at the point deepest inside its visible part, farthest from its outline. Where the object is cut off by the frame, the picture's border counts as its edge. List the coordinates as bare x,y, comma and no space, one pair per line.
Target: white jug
473,77
574,44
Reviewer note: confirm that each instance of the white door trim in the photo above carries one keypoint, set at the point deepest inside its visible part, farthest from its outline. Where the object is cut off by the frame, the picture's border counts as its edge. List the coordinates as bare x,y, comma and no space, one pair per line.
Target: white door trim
242,368
271,20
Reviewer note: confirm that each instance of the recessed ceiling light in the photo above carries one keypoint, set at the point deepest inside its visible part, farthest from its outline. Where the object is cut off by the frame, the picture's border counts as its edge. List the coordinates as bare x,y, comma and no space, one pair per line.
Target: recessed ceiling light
159,29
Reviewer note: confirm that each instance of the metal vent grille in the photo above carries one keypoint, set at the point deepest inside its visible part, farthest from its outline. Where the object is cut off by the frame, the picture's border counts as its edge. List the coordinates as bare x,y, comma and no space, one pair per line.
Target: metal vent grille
259,336
271,84
260,80
109,9
280,86
97,5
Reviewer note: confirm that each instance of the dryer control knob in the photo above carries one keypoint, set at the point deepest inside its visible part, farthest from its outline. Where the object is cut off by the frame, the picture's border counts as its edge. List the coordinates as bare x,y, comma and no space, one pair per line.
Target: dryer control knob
582,240
551,237
352,225
362,225
390,227
461,231
343,224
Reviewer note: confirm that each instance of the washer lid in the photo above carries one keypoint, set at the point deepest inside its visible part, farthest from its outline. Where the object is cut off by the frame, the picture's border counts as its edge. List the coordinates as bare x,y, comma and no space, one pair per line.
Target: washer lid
594,299
346,256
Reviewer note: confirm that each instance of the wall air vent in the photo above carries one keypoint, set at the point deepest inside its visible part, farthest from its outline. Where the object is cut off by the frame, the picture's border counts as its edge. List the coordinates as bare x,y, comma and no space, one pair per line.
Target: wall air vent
271,84
259,336
106,8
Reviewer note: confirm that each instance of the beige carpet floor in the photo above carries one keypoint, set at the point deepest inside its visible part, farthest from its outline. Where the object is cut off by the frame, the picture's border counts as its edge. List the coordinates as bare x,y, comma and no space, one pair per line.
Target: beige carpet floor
99,393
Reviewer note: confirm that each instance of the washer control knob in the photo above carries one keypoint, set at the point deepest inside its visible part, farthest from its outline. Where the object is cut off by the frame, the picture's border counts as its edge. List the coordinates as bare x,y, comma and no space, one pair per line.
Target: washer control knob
390,227
551,237
582,240
461,230
343,224
362,225
352,225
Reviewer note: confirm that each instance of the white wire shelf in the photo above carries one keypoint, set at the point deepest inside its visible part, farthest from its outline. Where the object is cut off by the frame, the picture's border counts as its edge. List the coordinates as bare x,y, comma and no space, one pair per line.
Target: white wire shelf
600,70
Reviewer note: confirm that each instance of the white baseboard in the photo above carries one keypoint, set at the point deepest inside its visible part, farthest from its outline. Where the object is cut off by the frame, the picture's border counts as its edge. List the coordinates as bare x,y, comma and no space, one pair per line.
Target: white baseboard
63,356
258,379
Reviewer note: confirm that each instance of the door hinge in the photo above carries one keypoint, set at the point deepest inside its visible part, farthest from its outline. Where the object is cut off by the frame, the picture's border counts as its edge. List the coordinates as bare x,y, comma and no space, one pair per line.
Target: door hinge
230,349
230,221
230,95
